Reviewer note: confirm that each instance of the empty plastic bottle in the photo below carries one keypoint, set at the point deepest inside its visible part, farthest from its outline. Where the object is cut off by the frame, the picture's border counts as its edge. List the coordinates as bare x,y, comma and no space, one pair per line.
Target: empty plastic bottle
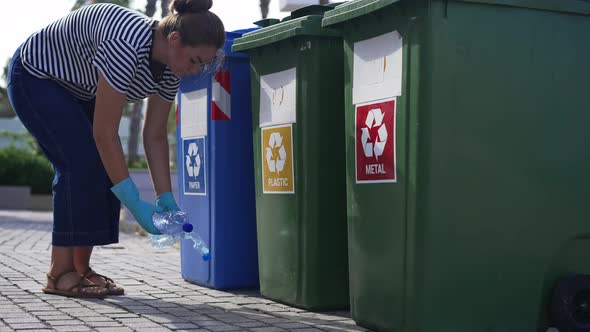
174,225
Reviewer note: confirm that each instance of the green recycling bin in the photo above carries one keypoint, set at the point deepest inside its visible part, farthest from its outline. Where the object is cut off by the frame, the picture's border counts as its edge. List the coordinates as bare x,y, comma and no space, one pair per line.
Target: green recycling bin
299,158
467,160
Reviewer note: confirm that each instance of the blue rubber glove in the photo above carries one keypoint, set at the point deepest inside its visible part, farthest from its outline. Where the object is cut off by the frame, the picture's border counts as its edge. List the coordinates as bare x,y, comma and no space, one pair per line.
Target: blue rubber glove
127,193
166,201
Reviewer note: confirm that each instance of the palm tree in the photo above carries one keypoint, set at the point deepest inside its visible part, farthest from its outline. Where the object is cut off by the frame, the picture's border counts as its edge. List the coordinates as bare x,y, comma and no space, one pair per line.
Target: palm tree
136,116
264,8
150,7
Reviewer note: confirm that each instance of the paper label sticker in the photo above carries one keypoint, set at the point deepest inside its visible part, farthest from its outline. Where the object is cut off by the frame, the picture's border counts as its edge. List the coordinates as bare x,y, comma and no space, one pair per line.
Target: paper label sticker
277,160
193,113
194,166
278,92
377,68
375,142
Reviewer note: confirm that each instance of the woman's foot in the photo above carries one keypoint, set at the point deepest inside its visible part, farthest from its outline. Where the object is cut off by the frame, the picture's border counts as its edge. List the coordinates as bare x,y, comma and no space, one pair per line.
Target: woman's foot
105,281
72,284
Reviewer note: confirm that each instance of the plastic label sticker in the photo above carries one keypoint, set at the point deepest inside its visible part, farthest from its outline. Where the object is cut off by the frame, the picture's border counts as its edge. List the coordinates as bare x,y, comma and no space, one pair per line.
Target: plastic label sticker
194,166
277,160
278,92
375,142
377,72
193,113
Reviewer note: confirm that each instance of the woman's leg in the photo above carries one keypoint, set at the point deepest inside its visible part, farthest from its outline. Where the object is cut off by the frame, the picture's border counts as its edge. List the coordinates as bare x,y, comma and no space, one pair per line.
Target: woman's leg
82,265
62,260
85,211
82,254
60,276
81,258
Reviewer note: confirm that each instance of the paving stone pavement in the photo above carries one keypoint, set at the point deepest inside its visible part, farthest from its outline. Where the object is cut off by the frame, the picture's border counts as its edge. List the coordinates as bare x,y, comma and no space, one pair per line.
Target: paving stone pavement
156,299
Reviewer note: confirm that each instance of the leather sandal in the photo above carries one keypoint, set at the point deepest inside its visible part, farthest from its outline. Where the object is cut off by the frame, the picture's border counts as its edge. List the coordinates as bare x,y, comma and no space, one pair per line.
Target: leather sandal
72,284
110,285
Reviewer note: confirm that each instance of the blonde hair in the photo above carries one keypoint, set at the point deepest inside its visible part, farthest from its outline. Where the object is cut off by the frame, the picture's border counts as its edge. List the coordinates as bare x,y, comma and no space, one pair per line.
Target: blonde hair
194,22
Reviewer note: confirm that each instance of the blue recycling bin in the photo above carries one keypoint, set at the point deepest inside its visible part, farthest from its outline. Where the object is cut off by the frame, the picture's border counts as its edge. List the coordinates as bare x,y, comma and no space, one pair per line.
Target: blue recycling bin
216,173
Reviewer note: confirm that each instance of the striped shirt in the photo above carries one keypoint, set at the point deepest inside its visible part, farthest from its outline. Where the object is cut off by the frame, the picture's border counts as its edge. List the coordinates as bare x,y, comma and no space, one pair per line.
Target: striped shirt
103,37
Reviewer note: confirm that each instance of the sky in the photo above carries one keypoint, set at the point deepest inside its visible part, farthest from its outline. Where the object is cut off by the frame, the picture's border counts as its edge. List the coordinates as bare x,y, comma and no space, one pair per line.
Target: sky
18,20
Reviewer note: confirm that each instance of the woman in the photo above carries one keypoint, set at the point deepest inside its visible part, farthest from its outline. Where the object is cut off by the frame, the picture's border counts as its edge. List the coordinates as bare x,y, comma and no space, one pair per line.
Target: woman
68,83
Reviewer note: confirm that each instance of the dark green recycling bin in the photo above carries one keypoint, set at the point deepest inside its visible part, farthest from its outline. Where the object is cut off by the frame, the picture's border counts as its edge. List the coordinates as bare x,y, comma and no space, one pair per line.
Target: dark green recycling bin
299,160
468,167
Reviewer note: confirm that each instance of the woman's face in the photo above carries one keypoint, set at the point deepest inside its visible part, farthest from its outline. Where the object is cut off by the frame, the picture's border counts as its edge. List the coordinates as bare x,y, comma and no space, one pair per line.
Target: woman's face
187,60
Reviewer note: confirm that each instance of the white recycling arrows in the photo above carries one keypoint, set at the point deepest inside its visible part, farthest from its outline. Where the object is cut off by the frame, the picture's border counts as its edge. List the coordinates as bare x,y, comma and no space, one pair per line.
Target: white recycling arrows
193,153
278,164
375,147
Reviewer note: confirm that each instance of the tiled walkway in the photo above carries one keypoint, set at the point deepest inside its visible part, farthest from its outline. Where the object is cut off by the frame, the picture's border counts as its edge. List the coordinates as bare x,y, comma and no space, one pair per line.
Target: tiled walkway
156,299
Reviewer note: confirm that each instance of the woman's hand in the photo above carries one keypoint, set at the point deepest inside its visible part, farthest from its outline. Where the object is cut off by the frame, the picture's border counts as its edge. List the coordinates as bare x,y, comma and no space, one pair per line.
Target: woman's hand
127,193
166,202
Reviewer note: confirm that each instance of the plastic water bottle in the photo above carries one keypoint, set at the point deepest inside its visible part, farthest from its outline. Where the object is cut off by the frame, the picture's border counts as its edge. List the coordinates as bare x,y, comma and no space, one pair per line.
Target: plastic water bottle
174,225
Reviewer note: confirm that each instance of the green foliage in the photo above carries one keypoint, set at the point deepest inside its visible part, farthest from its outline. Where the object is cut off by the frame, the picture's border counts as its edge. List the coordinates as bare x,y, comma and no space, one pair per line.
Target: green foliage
21,140
141,163
23,167
23,163
127,109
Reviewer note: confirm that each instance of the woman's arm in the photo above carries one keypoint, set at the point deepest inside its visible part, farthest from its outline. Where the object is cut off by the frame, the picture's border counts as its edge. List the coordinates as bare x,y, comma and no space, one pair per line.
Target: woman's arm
107,116
155,142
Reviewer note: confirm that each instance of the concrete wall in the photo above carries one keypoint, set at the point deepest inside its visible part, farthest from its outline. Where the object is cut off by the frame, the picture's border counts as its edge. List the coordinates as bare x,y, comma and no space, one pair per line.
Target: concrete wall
15,197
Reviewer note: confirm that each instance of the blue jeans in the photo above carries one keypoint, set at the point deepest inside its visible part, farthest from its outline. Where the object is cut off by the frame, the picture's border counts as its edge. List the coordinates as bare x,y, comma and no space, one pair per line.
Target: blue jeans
85,211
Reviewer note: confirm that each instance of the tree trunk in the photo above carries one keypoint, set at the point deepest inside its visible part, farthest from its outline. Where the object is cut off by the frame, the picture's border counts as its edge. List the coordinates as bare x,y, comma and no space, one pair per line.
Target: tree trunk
164,7
264,8
136,116
134,132
150,8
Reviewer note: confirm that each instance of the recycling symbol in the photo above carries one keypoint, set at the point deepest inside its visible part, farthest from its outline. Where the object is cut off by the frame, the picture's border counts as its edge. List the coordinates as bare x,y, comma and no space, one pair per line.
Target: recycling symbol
373,147
276,164
193,160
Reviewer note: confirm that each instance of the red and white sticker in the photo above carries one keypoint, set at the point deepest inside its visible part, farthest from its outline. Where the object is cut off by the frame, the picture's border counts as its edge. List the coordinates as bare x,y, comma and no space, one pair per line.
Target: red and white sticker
375,142
221,96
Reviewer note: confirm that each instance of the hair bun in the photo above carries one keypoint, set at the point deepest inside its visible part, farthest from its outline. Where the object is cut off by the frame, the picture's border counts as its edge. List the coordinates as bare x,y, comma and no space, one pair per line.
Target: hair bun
190,6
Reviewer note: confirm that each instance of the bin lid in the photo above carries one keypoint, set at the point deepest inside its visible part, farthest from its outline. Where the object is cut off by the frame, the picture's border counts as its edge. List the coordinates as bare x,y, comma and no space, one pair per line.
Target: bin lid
267,22
356,8
306,21
230,36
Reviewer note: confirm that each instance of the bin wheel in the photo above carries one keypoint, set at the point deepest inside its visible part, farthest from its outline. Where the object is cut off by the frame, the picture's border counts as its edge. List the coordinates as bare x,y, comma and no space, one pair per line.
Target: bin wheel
570,304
